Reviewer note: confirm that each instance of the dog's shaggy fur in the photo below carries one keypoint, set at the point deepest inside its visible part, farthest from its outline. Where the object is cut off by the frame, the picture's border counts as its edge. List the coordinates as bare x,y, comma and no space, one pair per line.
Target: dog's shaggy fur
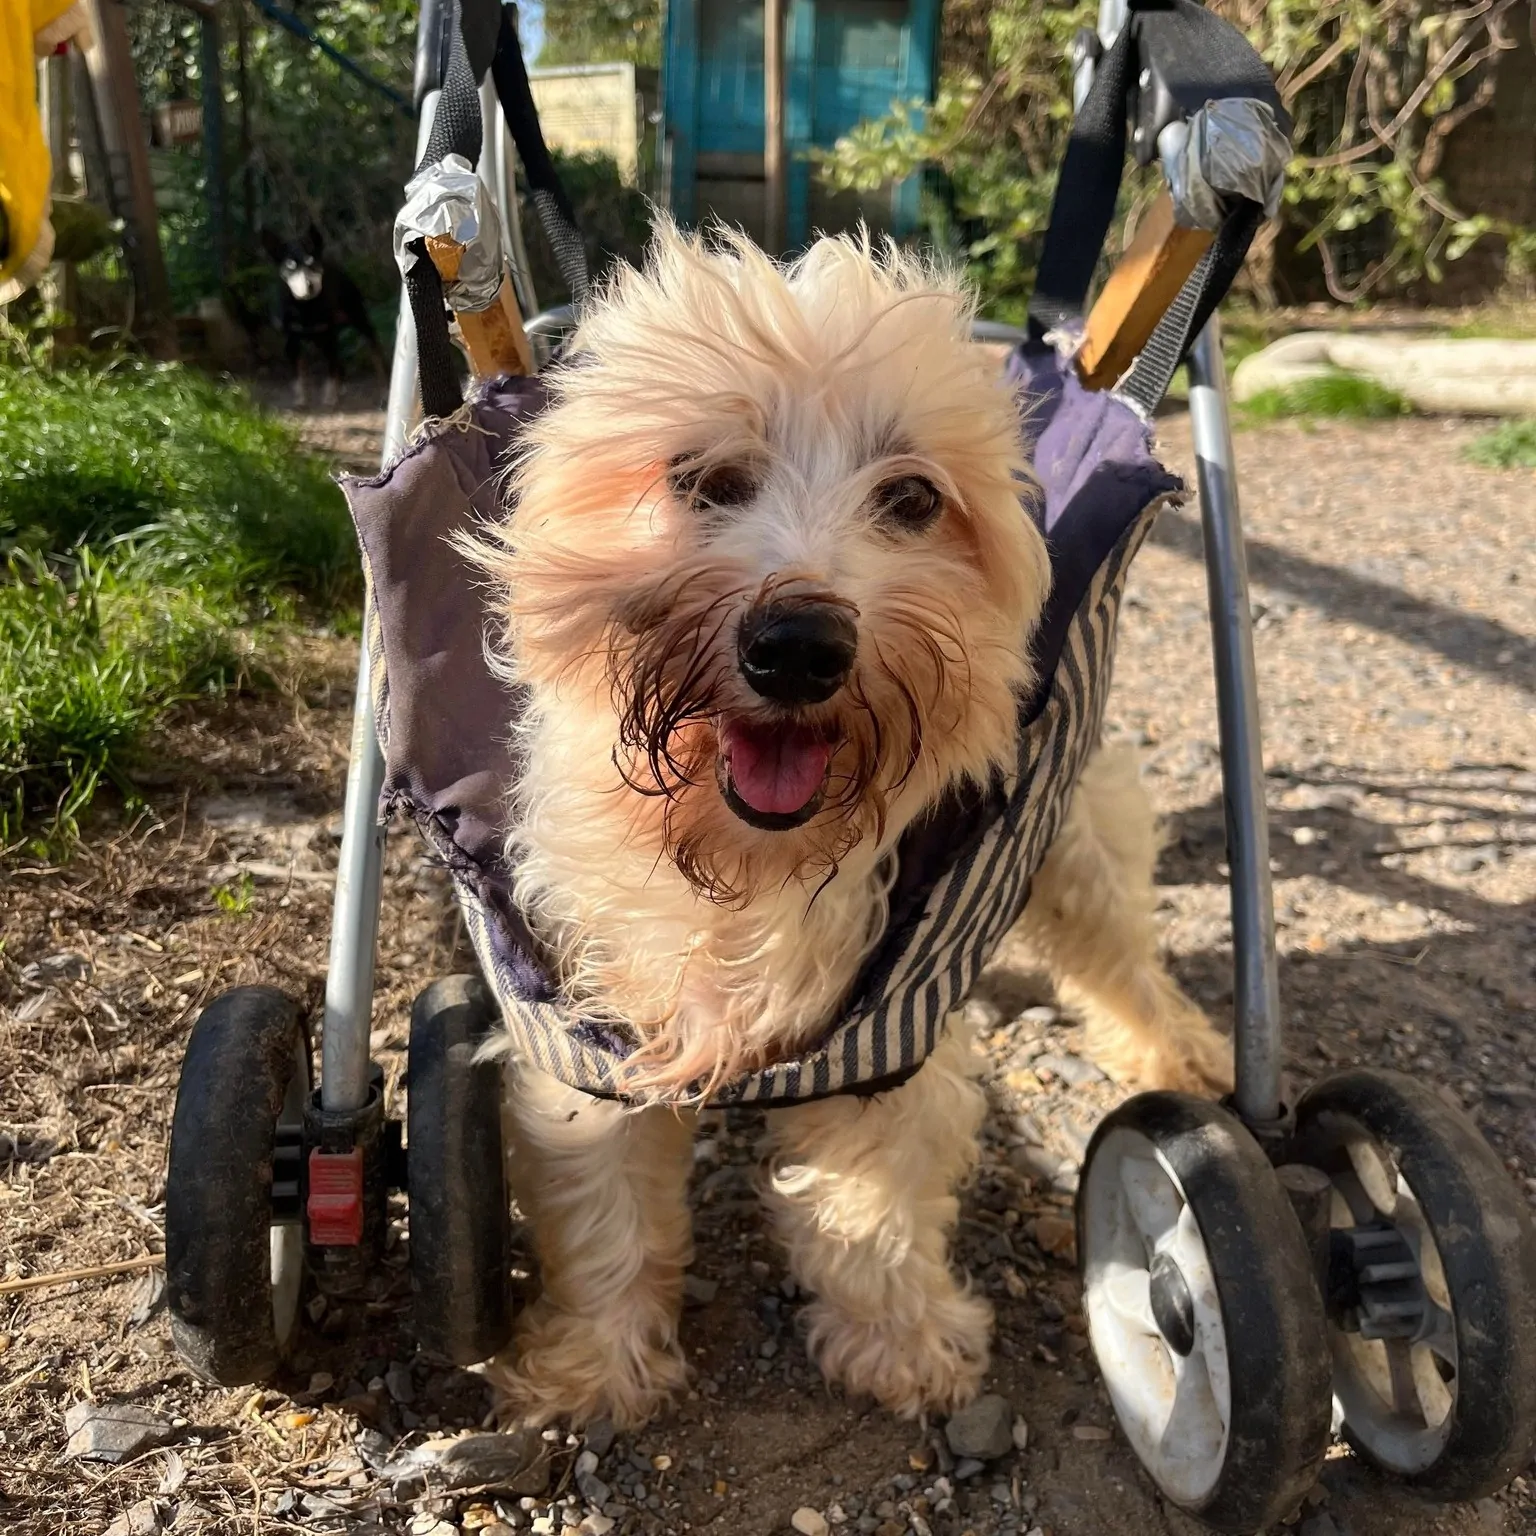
736,449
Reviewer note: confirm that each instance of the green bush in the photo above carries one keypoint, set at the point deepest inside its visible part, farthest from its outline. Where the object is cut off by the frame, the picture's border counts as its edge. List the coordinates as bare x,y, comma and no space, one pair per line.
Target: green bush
153,526
1511,445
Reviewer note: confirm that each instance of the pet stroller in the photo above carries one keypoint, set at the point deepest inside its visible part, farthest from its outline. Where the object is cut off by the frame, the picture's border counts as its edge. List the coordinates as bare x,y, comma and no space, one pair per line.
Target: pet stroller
1255,1273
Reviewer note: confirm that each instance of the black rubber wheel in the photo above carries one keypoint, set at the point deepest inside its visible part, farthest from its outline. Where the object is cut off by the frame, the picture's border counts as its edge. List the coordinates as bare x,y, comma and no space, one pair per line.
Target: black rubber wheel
1204,1310
1425,1216
460,1210
234,1242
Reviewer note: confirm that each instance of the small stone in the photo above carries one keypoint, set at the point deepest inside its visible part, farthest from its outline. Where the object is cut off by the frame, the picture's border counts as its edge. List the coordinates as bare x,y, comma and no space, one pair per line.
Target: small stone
699,1290
921,1458
809,1522
1002,1494
720,1488
1037,1163
1319,1525
1303,837
890,1528
1072,1070
967,1468
320,1383
398,1383
981,1014
1056,1236
600,1435
1041,1017
983,1430
1491,1516
592,1488
141,1519
1089,1432
1020,1434
662,1463
788,1288
768,1348
114,1431
596,1523
429,1524
478,1517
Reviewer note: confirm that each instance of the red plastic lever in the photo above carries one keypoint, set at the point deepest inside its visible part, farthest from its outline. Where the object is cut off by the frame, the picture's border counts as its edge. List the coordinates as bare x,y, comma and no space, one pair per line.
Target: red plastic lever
336,1198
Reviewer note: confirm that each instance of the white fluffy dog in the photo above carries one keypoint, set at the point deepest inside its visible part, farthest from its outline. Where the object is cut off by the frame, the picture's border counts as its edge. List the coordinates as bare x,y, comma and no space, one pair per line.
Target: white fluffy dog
769,590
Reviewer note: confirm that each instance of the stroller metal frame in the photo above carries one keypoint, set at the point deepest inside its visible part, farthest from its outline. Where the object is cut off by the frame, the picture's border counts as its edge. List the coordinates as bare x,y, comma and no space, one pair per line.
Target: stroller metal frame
1262,1181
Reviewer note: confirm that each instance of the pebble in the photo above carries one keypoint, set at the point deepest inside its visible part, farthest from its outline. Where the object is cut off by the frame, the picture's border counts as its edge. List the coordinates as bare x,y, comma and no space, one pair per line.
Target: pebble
1040,1017
1037,1163
1089,1432
700,1290
141,1519
967,1468
599,1437
596,1524
1055,1235
398,1383
809,1522
1072,1070
114,1431
984,1430
1020,1433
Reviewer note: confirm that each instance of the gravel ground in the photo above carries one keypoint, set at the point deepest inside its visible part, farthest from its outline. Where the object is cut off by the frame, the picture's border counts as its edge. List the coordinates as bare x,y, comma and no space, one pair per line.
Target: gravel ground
1397,650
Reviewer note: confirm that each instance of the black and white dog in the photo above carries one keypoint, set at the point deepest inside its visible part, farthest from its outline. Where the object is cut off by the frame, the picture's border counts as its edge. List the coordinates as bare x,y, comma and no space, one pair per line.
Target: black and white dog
316,302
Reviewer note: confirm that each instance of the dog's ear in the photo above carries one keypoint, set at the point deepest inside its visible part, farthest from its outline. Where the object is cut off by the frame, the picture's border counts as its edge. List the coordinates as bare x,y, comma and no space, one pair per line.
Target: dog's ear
271,245
314,241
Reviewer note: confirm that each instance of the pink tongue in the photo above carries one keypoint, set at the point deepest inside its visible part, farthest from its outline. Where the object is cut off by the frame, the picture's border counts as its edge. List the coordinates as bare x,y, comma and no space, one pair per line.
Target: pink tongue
776,771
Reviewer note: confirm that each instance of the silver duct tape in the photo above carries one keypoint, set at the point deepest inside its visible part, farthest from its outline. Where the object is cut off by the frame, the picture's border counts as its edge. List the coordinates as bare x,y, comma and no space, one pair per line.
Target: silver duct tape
1230,148
449,198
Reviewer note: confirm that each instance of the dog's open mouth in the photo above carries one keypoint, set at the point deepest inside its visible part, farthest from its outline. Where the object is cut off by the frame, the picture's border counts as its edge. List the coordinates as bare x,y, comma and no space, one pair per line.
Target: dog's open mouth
771,774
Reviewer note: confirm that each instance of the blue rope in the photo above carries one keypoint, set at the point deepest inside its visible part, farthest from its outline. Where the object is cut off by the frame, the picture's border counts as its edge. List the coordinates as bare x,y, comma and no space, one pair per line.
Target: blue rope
302,29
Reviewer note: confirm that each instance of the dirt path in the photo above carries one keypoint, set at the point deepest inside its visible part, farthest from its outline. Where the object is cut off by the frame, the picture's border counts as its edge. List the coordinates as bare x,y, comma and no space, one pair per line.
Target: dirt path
1397,645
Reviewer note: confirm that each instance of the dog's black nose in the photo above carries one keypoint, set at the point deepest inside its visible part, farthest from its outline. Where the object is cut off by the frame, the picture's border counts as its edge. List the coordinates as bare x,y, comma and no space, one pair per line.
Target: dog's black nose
797,653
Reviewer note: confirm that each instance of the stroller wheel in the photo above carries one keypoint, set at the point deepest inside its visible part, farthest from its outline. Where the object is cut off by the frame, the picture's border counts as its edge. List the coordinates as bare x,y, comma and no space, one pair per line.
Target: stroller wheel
460,1212
234,1240
1203,1310
1431,1285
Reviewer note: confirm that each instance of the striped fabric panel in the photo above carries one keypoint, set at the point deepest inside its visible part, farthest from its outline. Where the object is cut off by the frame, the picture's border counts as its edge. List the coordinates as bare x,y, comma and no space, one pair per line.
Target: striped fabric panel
968,914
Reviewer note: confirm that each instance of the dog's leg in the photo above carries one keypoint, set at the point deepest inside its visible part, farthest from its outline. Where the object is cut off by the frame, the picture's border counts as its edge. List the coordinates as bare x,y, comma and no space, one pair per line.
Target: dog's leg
863,1196
604,1190
1090,918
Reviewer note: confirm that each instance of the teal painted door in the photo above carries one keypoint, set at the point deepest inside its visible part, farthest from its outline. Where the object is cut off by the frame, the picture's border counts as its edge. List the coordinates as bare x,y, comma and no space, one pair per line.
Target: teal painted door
845,60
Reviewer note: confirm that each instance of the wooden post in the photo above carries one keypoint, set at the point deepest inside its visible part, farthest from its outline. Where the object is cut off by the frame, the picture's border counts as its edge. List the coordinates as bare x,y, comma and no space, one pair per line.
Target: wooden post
494,337
110,63
773,127
1146,280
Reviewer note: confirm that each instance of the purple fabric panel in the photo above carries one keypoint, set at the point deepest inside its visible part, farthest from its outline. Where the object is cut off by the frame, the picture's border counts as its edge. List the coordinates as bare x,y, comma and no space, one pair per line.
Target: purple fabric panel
447,760
1093,457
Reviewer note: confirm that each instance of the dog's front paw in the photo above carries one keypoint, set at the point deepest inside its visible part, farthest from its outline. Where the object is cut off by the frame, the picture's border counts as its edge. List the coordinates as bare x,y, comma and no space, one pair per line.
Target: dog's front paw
563,1366
934,1365
1198,1061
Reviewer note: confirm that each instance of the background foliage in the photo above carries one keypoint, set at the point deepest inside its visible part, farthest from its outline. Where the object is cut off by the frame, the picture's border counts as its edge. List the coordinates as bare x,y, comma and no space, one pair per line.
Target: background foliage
1377,87
609,31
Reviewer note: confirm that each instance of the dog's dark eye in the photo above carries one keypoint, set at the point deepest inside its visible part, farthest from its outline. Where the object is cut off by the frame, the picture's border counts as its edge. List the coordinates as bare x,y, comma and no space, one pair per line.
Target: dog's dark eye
712,485
910,502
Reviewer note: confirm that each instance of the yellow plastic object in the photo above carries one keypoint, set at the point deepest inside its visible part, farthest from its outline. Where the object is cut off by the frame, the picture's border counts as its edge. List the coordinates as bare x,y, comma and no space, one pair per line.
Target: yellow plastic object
28,31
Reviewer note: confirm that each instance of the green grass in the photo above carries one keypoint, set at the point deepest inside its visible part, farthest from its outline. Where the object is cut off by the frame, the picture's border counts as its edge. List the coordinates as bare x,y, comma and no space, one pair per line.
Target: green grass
156,532
1334,394
1511,445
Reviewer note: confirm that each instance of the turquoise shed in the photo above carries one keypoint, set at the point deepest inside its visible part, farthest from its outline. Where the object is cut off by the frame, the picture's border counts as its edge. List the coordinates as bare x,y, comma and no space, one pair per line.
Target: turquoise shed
843,60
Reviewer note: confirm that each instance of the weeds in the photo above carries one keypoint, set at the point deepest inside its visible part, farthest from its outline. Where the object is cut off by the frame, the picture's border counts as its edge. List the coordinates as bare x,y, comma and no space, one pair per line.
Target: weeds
1511,445
153,528
1330,394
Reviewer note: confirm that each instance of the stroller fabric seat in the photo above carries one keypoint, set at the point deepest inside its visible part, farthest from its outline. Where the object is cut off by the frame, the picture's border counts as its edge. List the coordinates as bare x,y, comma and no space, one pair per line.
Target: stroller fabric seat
964,870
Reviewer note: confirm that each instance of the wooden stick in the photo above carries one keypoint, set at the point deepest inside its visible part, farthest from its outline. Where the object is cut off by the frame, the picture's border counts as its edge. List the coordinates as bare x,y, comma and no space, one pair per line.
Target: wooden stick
90,1272
1140,289
495,337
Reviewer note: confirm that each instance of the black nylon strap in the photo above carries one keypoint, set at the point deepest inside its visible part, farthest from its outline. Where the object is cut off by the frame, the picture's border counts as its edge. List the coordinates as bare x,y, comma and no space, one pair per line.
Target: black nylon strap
1086,189
555,212
457,130
1170,59
1154,368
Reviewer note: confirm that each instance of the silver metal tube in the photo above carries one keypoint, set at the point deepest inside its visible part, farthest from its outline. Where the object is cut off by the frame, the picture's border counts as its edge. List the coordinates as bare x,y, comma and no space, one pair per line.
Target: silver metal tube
1256,988
360,869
